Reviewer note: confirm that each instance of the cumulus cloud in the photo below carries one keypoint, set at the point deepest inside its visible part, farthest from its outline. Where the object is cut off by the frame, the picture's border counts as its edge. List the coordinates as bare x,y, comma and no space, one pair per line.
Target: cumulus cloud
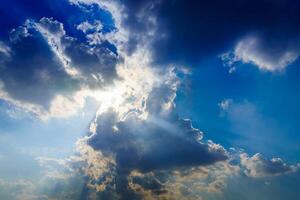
140,148
266,55
154,145
257,166
148,138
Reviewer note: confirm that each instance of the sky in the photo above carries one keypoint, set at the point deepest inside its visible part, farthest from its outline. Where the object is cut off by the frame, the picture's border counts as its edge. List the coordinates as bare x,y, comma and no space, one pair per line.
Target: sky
149,99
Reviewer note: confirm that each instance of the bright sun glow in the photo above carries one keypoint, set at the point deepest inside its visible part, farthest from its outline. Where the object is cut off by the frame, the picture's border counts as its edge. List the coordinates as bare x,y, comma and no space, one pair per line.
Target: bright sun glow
131,90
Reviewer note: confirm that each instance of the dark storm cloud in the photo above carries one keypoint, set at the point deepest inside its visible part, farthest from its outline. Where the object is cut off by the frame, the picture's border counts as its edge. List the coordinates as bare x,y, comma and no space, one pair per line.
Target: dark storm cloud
196,29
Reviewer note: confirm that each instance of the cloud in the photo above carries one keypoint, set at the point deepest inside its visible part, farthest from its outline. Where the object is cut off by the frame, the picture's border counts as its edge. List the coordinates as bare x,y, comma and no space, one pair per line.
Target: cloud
149,138
225,104
157,144
86,26
265,54
135,24
48,73
157,158
77,58
20,190
181,184
4,49
136,130
257,166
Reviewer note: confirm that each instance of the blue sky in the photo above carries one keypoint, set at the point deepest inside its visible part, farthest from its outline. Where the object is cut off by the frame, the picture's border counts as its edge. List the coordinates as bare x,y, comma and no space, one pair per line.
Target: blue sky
149,99
268,103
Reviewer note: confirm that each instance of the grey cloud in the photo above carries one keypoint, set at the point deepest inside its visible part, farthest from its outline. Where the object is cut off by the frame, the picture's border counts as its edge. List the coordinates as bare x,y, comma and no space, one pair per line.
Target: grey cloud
27,74
40,62
142,23
89,61
97,65
157,144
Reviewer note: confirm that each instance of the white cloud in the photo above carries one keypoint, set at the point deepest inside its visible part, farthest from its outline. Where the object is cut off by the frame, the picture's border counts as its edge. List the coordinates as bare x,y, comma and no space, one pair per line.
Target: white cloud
257,166
267,56
4,49
118,37
86,26
225,104
18,33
